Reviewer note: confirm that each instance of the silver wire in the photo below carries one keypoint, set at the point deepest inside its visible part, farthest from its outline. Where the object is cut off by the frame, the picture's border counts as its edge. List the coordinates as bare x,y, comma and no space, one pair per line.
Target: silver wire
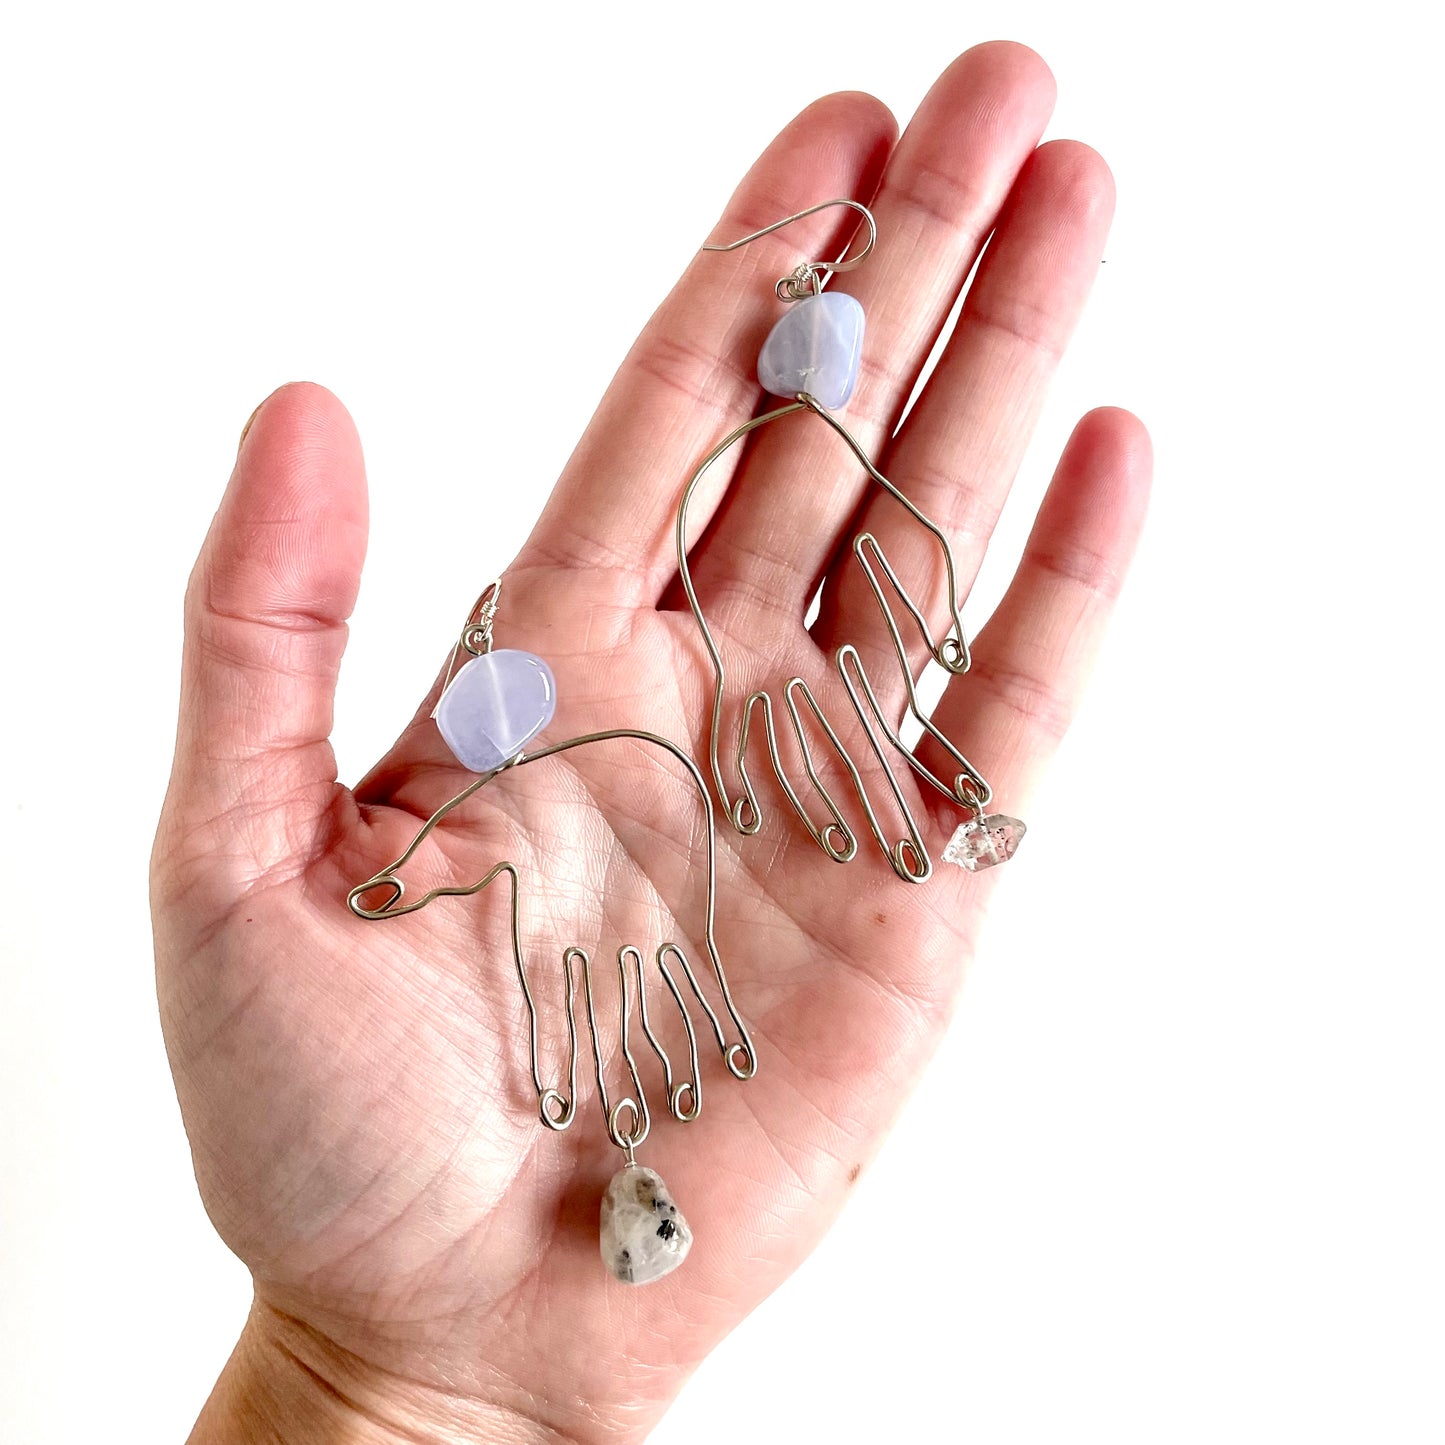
476,636
629,1119
908,855
809,277
556,1107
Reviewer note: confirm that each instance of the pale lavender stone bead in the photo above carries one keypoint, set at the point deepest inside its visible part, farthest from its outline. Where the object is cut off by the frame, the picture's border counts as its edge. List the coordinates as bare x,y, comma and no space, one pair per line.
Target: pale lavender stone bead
495,706
815,347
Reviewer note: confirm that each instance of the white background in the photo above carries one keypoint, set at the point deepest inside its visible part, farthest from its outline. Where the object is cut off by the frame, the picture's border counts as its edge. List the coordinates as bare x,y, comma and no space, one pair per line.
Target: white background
1176,1175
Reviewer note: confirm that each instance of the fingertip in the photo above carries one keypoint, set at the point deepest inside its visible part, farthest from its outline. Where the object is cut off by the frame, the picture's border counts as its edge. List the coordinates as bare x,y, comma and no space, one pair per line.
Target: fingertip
290,535
1007,69
854,112
1079,180
1095,506
307,409
1014,58
1114,446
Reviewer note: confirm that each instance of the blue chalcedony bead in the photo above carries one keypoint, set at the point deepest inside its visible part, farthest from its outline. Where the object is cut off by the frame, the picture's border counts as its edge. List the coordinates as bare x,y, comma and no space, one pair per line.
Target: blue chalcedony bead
495,706
815,348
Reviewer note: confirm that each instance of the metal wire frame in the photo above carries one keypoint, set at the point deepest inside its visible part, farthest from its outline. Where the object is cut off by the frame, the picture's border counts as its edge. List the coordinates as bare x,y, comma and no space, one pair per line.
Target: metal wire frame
908,856
629,1119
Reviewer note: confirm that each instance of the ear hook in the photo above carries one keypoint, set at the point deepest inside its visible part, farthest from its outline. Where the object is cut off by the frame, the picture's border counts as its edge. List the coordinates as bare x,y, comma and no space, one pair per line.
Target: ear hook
807,280
476,636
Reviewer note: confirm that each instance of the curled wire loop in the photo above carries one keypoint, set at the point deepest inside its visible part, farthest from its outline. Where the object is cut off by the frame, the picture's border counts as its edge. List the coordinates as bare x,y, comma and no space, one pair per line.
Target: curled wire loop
629,1119
908,855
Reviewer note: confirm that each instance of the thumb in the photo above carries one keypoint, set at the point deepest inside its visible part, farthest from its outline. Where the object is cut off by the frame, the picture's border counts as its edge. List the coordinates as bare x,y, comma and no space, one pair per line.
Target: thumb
265,627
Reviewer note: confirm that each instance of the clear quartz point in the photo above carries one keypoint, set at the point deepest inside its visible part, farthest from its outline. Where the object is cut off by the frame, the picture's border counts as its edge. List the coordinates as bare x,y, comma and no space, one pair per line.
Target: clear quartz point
984,842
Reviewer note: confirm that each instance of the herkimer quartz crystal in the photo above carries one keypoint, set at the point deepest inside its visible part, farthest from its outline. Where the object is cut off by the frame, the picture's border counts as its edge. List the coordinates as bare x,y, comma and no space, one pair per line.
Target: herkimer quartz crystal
984,842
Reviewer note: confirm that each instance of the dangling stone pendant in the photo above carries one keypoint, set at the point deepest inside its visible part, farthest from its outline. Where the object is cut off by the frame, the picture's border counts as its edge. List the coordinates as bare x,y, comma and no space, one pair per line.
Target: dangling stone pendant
644,1235
495,706
985,842
816,347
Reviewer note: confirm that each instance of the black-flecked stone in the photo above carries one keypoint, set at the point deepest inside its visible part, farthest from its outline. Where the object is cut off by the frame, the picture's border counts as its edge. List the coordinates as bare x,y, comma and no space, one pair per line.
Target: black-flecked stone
644,1235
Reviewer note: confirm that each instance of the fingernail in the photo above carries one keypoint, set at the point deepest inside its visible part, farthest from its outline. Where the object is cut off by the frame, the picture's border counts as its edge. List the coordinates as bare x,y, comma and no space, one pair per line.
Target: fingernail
245,429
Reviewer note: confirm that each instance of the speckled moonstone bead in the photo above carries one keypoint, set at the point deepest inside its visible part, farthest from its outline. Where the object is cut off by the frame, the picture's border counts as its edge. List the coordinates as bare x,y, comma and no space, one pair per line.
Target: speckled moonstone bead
495,706
815,347
644,1235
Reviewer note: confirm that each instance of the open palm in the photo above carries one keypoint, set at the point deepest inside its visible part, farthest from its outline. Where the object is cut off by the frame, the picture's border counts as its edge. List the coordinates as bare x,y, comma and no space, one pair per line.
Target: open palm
358,1095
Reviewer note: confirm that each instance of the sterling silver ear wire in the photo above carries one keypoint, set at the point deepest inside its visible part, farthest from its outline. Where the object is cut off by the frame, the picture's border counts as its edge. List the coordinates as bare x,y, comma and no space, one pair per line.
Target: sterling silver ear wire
812,356
488,711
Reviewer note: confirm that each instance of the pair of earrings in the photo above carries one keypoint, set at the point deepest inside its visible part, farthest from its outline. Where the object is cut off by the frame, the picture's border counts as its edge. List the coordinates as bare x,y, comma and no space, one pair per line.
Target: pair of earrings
494,705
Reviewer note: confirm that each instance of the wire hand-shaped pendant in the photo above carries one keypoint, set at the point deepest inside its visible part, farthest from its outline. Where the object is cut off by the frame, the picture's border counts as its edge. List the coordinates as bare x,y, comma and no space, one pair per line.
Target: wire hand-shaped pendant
812,355
488,712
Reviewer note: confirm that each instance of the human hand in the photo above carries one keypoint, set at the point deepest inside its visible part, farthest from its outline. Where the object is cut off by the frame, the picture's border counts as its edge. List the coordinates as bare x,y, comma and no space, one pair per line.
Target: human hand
357,1096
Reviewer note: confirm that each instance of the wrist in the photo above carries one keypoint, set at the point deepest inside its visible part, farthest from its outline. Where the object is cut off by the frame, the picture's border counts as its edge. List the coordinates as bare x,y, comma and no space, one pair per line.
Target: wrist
286,1384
